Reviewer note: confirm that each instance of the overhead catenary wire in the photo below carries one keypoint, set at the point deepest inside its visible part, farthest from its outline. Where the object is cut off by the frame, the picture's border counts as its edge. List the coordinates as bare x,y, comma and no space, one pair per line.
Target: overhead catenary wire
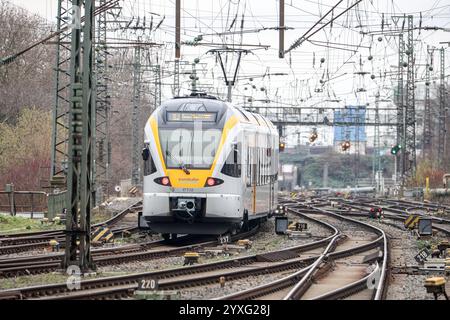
7,60
306,36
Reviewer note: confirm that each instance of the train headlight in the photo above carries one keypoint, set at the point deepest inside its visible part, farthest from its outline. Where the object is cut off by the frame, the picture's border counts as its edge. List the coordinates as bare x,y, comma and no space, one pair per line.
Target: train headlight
211,182
165,181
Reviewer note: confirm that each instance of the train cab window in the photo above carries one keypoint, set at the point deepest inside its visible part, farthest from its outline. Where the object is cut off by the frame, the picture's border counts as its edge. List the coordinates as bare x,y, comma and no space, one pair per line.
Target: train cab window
149,164
232,166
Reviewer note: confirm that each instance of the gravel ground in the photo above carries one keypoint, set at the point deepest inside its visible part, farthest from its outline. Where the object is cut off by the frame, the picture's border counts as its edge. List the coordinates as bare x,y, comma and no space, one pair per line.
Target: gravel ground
265,240
215,291
28,253
345,227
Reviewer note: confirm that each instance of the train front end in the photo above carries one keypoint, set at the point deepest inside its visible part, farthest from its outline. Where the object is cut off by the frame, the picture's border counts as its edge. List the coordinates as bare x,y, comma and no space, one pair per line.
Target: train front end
186,190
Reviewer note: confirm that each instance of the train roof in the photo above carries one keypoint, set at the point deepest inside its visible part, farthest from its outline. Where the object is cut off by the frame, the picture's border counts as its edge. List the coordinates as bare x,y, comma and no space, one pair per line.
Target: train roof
207,103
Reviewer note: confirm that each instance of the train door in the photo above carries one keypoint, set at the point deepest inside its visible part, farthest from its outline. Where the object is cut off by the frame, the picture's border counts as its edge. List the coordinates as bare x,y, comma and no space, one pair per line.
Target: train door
272,181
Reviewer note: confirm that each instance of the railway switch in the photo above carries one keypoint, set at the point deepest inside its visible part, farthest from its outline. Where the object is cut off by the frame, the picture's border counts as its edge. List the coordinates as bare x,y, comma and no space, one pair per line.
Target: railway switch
436,286
425,227
245,243
54,245
222,281
281,224
411,222
190,258
102,235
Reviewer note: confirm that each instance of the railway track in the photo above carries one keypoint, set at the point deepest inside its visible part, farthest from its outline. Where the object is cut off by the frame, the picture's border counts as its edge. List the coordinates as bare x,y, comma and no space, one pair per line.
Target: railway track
314,274
107,256
399,213
20,242
333,274
120,286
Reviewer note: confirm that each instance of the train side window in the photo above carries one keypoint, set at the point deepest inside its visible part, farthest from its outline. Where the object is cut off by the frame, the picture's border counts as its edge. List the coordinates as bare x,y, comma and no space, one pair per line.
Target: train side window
258,166
264,153
149,164
232,166
262,166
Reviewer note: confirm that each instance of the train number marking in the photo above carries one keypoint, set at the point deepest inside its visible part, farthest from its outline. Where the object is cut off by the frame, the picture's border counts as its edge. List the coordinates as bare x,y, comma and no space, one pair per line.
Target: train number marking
224,239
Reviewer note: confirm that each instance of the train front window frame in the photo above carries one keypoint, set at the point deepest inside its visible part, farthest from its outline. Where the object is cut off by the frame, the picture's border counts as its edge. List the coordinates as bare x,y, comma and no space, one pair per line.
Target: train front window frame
149,164
233,163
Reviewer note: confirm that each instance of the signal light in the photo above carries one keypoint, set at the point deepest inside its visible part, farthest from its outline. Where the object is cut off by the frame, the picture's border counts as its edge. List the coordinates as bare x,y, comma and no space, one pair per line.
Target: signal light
282,146
211,182
345,145
165,181
313,137
395,149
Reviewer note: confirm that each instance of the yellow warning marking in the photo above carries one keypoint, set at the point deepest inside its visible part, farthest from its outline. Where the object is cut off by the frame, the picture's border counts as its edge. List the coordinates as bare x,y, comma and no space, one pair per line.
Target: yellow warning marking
100,234
412,221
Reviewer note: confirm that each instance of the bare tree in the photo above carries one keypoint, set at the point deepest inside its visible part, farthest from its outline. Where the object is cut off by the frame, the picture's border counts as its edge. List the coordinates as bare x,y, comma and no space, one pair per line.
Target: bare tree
26,82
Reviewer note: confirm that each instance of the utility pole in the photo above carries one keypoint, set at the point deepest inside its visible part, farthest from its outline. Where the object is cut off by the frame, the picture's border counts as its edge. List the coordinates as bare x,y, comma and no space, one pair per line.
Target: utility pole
427,137
61,105
103,109
409,130
400,114
194,78
176,74
376,141
281,31
157,71
135,171
79,184
325,175
442,113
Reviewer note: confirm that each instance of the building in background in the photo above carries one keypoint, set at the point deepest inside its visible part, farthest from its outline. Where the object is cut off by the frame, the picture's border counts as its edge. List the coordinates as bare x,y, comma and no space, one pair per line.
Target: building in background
287,177
349,126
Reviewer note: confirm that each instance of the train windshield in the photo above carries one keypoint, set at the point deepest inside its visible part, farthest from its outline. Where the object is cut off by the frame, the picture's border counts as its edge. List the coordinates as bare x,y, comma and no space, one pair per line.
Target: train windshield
190,148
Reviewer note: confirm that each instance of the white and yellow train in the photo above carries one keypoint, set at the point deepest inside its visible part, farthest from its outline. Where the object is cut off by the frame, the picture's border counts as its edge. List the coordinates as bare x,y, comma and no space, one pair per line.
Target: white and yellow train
209,168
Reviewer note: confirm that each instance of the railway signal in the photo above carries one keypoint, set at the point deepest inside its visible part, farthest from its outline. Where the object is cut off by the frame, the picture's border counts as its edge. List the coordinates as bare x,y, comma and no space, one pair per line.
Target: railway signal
395,149
282,146
313,137
345,145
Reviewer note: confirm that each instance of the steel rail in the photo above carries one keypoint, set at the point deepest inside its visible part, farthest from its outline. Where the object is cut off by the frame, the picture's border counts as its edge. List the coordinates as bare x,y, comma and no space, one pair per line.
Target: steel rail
302,278
12,243
43,290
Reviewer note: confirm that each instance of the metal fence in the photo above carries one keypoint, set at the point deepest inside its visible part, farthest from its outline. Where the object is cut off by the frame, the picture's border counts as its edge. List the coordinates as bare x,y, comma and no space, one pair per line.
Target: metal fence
23,201
31,202
56,203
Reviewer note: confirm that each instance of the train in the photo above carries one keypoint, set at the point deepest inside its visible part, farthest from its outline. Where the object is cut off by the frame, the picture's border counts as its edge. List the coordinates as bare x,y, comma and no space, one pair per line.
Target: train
210,168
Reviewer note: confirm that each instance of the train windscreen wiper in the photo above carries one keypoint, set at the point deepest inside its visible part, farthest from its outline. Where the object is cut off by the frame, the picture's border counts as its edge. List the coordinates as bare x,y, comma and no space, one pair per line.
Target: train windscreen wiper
181,165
